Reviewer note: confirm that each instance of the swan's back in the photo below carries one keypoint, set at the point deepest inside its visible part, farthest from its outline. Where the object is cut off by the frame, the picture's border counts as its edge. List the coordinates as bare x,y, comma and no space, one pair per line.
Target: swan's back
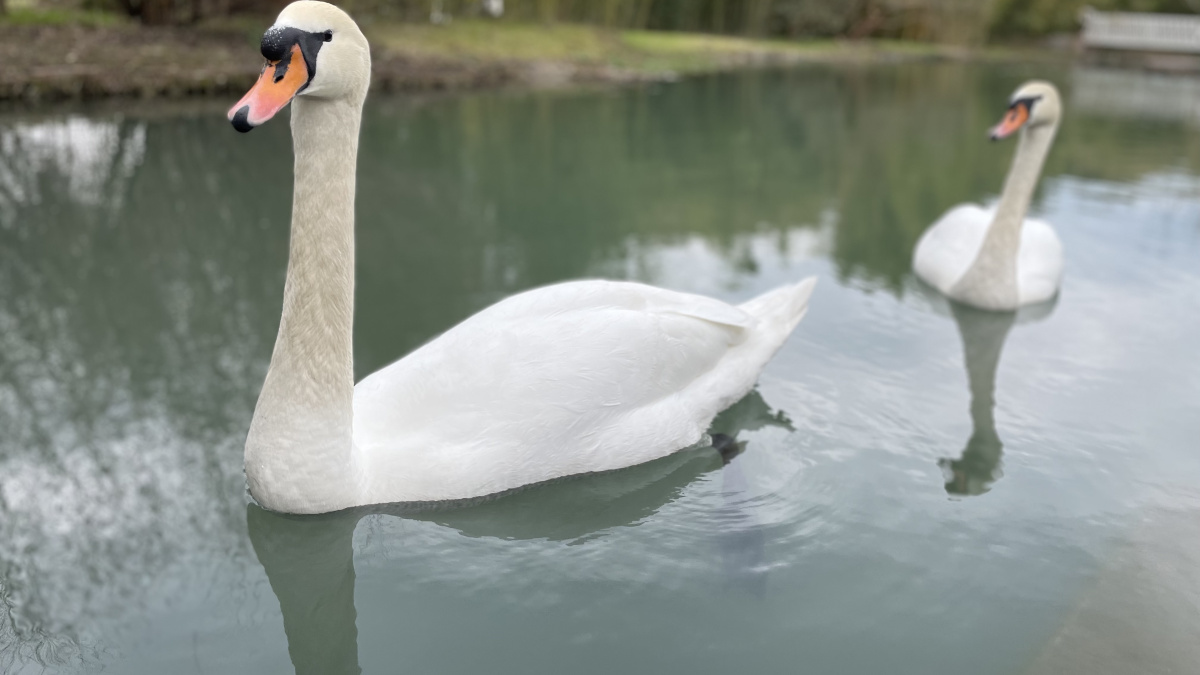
573,378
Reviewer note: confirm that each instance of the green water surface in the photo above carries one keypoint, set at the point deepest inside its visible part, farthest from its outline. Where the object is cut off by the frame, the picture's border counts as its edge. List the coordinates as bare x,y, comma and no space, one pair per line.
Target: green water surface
922,489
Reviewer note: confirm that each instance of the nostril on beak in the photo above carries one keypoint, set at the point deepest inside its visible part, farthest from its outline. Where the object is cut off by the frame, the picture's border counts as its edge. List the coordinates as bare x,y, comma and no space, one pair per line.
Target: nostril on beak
241,119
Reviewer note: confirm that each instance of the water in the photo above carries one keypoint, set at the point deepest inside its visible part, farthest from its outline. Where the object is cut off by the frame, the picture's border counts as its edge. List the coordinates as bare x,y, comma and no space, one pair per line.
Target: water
921,488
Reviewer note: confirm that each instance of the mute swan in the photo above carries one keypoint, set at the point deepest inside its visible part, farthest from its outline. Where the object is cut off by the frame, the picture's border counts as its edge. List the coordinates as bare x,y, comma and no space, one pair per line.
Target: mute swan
996,259
572,378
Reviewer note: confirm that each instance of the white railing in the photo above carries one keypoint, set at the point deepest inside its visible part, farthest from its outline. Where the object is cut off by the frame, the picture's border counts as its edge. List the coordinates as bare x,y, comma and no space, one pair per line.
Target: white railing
1141,32
1116,92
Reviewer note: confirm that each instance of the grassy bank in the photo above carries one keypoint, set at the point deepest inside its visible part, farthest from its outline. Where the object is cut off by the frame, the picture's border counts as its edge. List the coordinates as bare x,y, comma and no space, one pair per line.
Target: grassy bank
64,55
634,53
639,54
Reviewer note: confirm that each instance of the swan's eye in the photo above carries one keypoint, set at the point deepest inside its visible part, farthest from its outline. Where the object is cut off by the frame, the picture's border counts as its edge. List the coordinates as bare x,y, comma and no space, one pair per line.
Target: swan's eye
1027,102
328,35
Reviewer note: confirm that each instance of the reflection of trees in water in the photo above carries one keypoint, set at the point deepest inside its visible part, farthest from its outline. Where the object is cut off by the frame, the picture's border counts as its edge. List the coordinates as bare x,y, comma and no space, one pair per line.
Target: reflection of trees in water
560,183
128,347
90,162
141,270
134,334
915,145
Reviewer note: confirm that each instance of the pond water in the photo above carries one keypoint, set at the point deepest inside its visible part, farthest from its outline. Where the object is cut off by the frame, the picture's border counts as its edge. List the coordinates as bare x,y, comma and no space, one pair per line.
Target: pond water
921,489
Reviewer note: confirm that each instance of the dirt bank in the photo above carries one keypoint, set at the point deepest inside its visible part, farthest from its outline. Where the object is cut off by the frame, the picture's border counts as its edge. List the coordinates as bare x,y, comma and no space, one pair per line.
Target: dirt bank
42,63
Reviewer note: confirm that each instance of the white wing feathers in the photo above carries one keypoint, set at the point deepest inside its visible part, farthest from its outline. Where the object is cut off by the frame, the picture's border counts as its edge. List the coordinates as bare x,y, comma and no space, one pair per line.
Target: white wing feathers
576,377
948,248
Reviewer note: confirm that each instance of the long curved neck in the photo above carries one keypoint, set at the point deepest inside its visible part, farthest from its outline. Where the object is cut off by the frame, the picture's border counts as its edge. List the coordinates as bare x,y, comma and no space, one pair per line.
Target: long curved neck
300,455
991,281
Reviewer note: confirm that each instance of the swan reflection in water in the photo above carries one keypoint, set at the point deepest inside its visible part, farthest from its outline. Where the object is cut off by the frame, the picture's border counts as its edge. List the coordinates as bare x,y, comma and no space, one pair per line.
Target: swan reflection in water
309,560
983,336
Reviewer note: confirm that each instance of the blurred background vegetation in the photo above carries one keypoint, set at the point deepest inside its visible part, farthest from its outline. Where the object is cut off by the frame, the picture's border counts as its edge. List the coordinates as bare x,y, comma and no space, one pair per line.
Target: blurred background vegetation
947,21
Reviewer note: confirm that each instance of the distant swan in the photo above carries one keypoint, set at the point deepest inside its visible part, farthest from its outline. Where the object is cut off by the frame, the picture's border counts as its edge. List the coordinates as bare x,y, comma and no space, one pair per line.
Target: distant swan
996,259
573,378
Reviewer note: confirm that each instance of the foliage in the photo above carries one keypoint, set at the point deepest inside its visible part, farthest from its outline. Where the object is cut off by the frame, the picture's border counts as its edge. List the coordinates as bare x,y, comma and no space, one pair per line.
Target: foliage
921,19
790,18
570,43
59,17
950,21
813,17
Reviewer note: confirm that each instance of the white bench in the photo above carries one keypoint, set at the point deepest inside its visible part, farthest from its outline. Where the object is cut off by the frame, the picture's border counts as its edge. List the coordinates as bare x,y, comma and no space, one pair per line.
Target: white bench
1169,33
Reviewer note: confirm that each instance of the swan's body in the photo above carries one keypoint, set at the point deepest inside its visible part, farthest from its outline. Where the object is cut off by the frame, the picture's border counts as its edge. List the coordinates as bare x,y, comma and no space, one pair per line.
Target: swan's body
948,248
572,378
997,259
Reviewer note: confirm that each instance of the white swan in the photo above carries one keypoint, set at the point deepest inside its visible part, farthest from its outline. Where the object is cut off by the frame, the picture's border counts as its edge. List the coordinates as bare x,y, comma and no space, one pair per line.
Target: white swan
996,259
572,378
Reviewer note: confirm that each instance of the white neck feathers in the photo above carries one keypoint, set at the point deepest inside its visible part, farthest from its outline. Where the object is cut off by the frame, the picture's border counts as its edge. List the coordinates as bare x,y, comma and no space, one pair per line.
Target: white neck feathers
300,455
991,280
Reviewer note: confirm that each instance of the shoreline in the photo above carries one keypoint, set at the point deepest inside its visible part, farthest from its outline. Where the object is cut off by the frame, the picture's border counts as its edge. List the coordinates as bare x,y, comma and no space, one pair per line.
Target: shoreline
51,63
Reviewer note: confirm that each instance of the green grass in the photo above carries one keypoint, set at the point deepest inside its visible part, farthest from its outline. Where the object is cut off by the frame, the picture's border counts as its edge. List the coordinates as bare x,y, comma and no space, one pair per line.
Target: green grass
493,40
637,51
665,43
30,16
642,51
696,52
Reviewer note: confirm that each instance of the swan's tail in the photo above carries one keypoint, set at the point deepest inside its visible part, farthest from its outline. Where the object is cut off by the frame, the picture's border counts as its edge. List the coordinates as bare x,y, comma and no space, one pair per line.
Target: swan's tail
783,307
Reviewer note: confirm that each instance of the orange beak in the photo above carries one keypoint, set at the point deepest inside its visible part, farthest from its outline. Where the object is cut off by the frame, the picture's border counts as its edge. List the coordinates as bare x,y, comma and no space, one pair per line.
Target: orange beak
278,84
1014,119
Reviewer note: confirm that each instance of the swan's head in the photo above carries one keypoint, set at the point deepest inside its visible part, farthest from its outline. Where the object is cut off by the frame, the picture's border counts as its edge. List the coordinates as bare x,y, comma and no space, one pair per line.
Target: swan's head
1033,105
313,50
